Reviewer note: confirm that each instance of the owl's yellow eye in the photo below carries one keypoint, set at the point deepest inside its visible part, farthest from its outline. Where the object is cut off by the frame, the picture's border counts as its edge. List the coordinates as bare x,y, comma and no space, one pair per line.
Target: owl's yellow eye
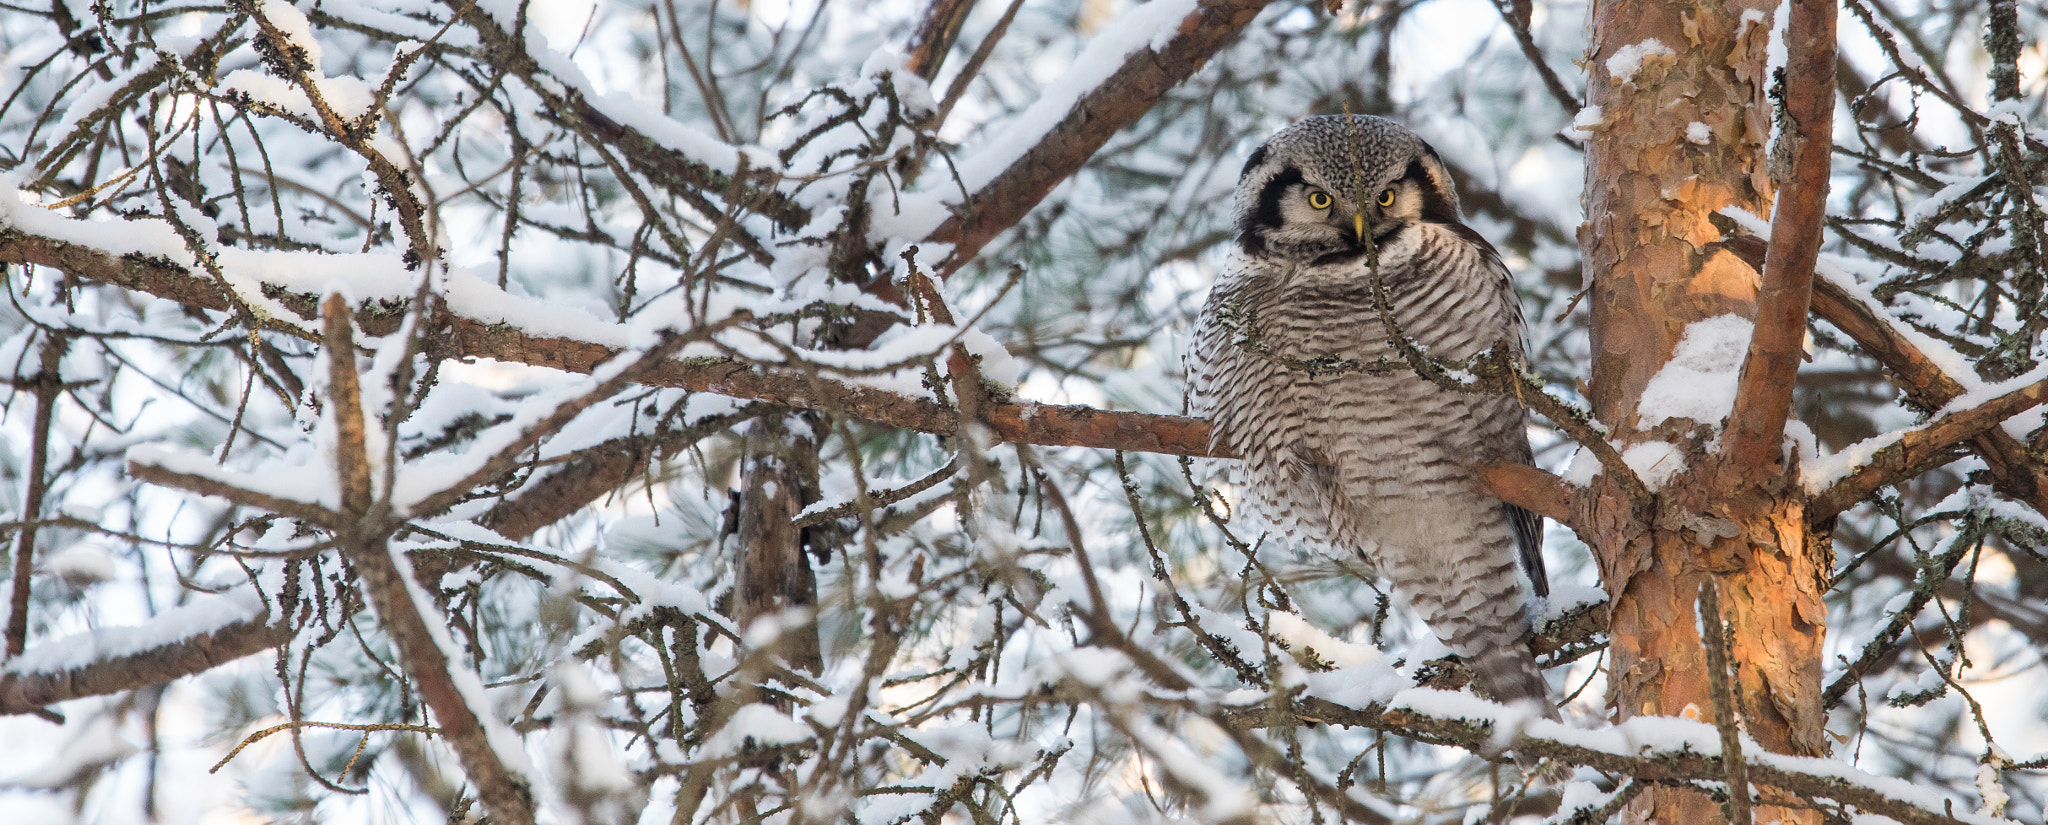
1387,198
1319,200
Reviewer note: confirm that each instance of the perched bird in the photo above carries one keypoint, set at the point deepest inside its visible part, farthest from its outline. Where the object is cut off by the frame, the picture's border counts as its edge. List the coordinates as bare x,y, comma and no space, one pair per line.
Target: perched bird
1343,444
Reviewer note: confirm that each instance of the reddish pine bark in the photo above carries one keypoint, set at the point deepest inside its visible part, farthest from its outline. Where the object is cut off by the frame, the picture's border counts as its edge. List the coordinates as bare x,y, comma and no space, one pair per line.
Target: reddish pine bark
1654,259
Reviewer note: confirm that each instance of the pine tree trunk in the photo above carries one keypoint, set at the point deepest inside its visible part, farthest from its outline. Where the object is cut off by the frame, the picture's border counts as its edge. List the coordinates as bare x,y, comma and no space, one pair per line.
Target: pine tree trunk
1683,134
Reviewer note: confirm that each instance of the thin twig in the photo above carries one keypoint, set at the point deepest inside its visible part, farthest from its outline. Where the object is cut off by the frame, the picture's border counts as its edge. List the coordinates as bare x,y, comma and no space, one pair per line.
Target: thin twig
49,386
1714,630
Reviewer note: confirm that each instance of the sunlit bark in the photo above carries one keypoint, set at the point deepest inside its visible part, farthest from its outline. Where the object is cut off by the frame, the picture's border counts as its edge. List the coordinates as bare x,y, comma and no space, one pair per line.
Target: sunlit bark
1682,89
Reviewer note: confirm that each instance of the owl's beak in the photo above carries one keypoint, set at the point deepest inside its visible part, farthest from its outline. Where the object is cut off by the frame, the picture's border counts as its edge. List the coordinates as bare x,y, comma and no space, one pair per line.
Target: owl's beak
1358,225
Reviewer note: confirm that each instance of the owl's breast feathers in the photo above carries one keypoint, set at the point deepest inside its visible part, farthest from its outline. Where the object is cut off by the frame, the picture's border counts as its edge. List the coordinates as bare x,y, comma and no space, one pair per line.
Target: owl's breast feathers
1292,363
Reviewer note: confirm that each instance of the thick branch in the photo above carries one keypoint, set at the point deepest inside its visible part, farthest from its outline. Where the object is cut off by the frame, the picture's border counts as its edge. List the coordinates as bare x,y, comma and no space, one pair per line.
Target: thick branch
1531,489
505,794
1763,398
466,337
1026,423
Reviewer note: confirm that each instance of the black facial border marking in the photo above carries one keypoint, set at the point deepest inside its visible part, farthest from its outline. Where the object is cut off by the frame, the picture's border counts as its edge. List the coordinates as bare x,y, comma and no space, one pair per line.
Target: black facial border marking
1250,163
1435,207
1266,215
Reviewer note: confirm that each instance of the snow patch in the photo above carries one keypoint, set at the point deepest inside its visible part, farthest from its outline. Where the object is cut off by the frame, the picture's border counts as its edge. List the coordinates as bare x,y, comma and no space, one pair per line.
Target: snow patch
752,727
1582,468
1584,123
1655,462
1302,636
1628,60
1699,381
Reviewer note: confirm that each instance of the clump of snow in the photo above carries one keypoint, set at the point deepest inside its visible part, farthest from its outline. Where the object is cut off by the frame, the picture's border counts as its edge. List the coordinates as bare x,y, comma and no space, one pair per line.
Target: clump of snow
1957,187
913,91
751,727
81,564
349,97
1580,796
1582,468
1821,473
1584,123
1628,60
1302,636
293,24
1565,599
1655,462
1699,381
1927,682
1988,784
1698,132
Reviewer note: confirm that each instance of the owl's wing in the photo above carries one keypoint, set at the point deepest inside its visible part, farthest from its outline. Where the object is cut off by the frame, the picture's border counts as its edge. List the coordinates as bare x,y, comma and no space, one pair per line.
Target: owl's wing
1528,526
1529,539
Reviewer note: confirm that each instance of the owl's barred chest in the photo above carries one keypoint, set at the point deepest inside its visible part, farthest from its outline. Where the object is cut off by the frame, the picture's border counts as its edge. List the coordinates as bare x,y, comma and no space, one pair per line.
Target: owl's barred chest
1310,322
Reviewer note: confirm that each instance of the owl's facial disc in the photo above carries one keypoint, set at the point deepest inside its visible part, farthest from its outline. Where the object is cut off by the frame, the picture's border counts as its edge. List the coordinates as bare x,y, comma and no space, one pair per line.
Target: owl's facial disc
1326,188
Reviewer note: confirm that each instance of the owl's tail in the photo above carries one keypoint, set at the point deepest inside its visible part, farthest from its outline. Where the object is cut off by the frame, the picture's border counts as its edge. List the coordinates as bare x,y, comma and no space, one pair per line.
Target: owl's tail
1508,673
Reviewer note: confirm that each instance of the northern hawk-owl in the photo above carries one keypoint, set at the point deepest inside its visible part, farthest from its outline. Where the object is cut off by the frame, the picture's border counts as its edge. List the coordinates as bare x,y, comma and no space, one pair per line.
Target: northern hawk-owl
1343,444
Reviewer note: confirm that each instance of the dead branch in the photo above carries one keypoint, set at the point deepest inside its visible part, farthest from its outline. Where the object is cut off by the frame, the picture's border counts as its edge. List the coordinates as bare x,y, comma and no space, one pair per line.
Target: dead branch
351,459
48,383
1763,399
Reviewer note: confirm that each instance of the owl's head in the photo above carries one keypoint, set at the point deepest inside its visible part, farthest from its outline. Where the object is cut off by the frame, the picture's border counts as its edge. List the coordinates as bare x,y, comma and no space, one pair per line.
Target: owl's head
1318,188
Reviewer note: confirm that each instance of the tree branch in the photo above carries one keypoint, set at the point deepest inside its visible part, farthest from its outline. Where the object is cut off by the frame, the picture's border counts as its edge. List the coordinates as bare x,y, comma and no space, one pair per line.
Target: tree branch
206,486
935,35
1921,448
1531,489
468,337
2014,471
1145,76
1516,13
48,383
1770,371
364,536
31,692
1689,767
